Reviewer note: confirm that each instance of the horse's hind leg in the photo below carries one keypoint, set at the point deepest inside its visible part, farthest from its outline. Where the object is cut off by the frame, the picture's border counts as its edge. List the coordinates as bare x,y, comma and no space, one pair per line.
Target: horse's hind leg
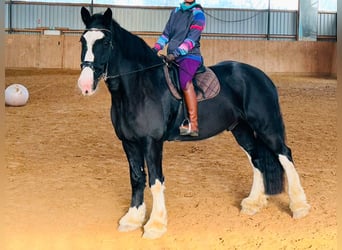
257,198
298,202
135,216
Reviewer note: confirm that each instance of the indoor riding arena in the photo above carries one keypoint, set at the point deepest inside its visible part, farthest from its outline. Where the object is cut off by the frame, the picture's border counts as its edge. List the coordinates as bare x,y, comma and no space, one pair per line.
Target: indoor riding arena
68,179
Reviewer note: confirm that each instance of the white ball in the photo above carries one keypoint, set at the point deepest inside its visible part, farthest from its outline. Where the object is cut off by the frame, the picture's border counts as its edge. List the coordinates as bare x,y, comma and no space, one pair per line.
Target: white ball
16,95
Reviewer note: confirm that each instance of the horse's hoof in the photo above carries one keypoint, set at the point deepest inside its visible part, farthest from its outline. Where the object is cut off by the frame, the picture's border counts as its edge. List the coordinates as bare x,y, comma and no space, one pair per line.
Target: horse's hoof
133,219
251,207
300,210
154,230
249,211
154,233
128,228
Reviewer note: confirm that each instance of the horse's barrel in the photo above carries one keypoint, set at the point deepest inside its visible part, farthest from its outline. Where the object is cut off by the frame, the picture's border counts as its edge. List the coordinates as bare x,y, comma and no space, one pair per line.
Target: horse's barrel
16,95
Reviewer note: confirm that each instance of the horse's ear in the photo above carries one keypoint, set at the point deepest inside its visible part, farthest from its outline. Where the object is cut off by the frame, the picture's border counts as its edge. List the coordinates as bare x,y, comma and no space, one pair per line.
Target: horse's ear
85,16
108,16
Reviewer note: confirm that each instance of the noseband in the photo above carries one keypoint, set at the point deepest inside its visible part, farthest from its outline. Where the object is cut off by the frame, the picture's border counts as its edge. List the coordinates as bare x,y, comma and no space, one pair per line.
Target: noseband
88,64
92,67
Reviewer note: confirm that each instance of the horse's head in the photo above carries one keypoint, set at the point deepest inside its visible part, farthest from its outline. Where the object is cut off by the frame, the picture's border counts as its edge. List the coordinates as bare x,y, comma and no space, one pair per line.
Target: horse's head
96,49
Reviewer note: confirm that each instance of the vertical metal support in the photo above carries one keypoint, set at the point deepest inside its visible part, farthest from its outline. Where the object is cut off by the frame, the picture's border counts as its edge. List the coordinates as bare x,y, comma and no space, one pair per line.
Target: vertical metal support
10,28
268,20
297,21
92,7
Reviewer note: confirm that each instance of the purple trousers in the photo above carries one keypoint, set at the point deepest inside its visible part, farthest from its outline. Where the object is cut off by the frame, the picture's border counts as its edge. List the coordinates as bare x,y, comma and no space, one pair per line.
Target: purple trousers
187,70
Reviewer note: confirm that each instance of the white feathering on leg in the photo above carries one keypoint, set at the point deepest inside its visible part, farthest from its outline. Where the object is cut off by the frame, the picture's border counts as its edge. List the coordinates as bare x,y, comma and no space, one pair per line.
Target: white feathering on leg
298,203
133,219
257,198
156,226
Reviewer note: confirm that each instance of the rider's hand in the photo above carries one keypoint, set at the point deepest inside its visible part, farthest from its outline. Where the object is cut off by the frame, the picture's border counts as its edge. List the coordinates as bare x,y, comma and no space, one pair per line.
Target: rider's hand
170,58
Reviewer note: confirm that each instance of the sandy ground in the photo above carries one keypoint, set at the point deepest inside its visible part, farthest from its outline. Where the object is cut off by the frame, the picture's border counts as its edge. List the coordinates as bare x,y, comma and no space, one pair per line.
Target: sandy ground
68,182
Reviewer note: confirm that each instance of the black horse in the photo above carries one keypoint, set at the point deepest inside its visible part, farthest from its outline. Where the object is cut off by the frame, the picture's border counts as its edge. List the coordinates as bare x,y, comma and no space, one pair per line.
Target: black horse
145,114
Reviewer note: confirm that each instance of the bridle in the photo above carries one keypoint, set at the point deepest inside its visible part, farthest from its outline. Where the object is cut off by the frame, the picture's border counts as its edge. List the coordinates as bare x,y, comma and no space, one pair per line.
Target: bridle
105,75
90,64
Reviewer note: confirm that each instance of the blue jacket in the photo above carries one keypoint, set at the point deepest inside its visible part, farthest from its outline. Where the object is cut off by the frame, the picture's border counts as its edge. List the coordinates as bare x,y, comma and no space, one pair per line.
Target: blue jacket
182,32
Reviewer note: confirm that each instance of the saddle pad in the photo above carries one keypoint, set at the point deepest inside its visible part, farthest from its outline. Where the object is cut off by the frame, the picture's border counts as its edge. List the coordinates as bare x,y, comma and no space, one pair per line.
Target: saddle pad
206,81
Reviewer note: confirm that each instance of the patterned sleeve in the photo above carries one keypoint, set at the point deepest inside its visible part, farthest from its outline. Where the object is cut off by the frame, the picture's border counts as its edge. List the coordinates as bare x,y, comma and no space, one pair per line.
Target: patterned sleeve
196,28
164,38
161,42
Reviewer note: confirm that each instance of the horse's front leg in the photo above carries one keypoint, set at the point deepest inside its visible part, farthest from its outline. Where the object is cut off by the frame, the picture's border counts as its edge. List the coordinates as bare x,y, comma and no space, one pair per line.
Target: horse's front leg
156,225
135,216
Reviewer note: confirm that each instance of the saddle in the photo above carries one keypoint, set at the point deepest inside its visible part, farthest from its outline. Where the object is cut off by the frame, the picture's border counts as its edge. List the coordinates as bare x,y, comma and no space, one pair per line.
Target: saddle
205,82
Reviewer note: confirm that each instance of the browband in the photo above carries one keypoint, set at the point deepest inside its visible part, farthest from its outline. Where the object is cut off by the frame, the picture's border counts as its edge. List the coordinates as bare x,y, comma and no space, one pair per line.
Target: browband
97,29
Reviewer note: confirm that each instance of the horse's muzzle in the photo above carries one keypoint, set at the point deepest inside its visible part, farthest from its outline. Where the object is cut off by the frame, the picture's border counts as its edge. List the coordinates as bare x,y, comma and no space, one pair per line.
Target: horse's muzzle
86,81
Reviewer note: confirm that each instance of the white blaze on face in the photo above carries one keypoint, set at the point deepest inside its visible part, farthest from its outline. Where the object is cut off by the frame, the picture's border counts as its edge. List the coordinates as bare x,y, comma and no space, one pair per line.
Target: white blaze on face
86,79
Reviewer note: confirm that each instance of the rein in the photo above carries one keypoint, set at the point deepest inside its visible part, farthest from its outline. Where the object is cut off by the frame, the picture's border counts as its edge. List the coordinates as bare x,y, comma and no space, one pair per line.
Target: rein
105,76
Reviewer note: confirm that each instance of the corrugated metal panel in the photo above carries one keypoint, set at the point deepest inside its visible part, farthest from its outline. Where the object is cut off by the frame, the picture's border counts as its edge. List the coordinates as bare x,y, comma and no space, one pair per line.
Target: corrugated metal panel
6,11
139,19
135,19
283,23
236,21
327,24
26,16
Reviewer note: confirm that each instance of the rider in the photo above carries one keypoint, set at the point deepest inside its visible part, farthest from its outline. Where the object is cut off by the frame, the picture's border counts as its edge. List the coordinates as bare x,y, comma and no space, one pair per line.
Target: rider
182,33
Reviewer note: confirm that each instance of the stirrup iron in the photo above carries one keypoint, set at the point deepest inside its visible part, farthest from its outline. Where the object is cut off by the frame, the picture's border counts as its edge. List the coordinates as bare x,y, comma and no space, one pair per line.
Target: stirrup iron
185,127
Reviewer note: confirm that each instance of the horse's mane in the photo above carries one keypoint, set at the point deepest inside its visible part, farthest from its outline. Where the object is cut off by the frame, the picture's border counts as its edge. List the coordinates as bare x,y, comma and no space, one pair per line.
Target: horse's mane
132,46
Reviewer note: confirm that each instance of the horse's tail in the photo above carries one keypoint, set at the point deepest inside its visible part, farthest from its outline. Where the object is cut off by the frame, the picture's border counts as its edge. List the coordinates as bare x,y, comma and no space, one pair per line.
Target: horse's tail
271,169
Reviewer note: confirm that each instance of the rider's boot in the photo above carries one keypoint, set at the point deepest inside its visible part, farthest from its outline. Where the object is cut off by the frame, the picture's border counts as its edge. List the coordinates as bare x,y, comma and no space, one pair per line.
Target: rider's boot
191,103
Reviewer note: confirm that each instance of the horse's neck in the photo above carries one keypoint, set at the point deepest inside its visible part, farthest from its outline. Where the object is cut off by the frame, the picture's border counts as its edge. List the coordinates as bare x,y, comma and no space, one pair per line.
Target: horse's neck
135,77
132,48
131,56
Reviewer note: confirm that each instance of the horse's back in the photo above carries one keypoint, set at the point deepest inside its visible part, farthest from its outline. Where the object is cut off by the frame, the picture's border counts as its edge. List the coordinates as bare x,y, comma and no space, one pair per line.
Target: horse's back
245,81
238,74
255,94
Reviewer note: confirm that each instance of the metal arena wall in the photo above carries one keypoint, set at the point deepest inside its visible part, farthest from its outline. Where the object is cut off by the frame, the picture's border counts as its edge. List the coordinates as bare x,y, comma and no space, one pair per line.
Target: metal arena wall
230,23
251,36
